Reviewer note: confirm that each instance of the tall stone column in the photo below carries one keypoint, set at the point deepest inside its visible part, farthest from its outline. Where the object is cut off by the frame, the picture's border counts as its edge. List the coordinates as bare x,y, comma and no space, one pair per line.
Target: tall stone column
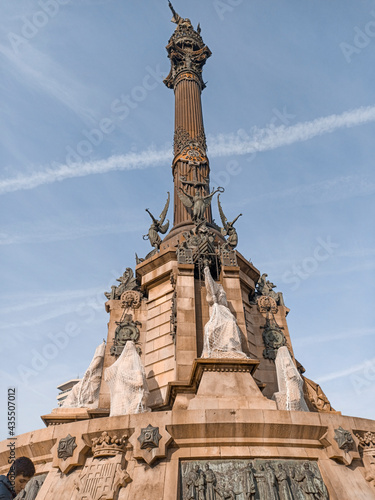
190,168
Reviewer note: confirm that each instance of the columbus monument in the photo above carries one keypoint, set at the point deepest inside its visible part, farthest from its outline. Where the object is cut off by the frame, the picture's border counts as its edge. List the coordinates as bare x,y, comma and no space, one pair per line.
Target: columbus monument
196,393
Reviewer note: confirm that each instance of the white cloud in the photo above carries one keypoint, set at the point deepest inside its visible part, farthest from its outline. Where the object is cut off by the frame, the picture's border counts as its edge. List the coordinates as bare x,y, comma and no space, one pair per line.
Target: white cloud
63,234
273,137
130,161
229,144
345,373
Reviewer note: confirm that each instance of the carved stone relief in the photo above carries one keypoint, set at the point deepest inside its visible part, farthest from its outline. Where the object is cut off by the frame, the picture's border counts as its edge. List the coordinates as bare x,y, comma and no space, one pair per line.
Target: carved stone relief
367,448
266,304
228,257
150,443
344,439
106,445
173,318
131,299
149,437
273,337
126,330
105,473
66,447
256,479
340,445
316,397
69,452
183,140
199,248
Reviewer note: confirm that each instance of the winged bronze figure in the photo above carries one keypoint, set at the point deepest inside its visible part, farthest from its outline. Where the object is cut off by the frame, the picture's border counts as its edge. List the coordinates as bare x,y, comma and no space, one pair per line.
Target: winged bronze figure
198,202
157,226
228,229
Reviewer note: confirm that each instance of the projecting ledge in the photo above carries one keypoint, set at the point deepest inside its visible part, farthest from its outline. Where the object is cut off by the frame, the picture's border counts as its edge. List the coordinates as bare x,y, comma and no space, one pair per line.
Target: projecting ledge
218,379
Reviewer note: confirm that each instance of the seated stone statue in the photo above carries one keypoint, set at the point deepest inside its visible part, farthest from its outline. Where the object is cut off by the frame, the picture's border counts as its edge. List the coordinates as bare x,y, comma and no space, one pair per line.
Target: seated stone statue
127,383
222,337
290,395
85,394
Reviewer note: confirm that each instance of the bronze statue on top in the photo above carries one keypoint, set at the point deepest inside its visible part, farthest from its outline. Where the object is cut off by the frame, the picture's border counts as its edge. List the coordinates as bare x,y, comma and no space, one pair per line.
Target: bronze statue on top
157,226
198,202
228,229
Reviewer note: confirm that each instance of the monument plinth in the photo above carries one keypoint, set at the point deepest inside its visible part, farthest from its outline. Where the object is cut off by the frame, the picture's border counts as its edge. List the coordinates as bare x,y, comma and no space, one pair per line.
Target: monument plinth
196,394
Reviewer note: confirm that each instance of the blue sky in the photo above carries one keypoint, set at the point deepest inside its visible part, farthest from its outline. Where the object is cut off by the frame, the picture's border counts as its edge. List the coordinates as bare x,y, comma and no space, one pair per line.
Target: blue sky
85,146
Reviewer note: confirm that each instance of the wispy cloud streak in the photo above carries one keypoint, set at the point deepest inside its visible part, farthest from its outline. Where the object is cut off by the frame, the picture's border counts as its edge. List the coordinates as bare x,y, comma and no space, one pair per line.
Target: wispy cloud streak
131,161
270,138
265,139
345,373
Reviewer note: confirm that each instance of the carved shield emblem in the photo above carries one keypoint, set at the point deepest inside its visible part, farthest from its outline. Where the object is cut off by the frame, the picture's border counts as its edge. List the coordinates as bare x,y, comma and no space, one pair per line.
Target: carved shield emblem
102,478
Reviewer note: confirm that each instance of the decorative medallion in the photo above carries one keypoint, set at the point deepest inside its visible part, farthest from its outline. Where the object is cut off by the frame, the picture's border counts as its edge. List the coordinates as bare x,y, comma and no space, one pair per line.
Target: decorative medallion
266,304
193,154
149,437
340,445
131,298
151,444
344,439
66,447
273,337
69,452
127,329
265,479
